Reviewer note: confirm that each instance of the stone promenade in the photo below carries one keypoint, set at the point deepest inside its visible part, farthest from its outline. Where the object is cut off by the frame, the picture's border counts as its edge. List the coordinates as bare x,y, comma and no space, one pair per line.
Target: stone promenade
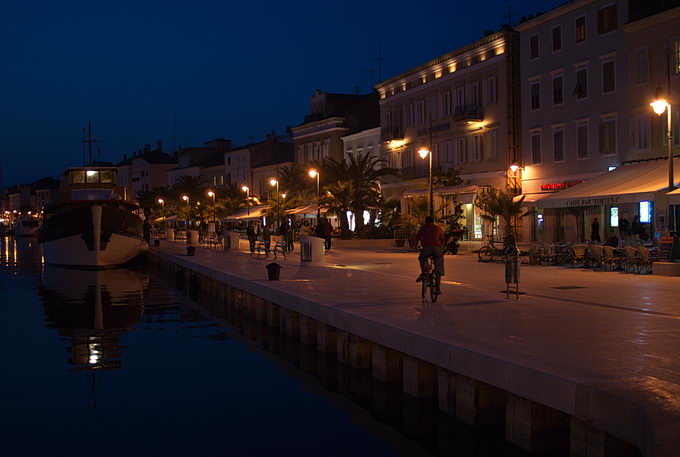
600,347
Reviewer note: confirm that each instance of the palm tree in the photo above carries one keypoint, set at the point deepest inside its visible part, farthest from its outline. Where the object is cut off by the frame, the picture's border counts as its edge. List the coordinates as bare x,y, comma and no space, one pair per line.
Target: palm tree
360,175
296,181
495,203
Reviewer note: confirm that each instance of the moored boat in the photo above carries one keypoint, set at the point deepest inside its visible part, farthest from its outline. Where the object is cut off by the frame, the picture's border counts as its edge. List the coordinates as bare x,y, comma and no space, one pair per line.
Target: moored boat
91,225
26,226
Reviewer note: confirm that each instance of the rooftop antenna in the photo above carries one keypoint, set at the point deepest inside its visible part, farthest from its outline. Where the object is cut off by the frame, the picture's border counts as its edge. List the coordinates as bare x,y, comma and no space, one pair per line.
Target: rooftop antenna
174,131
356,89
371,72
509,16
380,61
89,141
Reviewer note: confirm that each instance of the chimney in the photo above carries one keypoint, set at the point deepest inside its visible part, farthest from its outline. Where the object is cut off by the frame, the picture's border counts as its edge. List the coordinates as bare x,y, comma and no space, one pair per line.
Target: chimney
147,148
159,145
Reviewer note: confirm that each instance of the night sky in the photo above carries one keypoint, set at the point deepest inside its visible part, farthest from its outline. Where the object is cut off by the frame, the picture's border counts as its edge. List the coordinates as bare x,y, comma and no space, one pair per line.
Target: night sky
221,69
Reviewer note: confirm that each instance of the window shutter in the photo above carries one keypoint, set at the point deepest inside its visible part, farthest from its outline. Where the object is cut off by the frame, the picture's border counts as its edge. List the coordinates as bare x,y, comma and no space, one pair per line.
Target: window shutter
632,134
632,69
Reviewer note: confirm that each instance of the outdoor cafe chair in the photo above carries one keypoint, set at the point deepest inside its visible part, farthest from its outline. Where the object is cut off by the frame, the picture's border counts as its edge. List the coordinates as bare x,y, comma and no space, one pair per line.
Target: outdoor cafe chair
578,254
645,261
609,258
631,260
596,255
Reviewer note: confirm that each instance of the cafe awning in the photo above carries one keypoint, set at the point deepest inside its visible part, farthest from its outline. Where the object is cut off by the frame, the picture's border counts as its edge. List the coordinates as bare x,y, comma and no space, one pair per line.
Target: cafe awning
674,197
532,198
243,214
166,219
308,209
626,184
465,194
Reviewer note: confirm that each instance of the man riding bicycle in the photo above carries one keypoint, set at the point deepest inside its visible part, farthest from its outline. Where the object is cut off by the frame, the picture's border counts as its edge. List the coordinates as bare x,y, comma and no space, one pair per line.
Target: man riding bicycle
431,237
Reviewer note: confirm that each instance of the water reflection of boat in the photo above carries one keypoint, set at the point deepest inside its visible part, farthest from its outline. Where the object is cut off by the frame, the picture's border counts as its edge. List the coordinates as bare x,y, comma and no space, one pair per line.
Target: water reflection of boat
92,309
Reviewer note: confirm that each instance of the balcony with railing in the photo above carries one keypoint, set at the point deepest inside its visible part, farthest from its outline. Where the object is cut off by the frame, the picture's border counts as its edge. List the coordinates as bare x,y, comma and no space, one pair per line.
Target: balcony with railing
468,113
391,133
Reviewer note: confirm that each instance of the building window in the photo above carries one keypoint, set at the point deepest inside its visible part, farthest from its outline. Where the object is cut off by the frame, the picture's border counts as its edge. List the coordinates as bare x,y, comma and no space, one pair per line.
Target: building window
557,38
310,152
460,150
558,89
536,148
608,135
581,90
446,104
558,144
638,66
675,56
608,76
492,147
408,114
388,119
580,31
420,113
535,92
474,89
433,107
448,146
460,98
582,140
476,146
639,133
533,46
491,93
606,19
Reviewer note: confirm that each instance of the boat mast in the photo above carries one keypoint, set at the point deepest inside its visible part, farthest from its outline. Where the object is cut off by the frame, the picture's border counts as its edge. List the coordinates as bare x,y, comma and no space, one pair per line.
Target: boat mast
89,142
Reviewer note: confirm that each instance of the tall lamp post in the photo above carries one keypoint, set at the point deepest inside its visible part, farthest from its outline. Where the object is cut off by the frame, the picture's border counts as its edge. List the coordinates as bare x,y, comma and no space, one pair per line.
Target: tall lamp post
246,189
661,105
424,153
211,194
186,199
275,182
314,173
162,203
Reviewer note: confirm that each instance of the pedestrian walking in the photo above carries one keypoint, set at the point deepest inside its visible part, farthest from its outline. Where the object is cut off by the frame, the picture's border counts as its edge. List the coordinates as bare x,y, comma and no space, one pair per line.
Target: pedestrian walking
251,233
325,230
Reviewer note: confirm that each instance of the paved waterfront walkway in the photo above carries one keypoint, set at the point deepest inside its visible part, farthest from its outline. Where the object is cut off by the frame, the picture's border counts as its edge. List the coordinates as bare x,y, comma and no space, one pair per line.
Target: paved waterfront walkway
600,346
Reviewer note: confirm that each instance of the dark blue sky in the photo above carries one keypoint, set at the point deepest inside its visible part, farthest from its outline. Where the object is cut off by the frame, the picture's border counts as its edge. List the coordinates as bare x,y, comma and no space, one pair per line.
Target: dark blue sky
224,69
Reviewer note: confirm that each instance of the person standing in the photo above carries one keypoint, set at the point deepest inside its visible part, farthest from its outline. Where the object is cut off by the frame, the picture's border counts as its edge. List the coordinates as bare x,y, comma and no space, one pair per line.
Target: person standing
595,231
267,238
624,227
325,232
305,229
251,233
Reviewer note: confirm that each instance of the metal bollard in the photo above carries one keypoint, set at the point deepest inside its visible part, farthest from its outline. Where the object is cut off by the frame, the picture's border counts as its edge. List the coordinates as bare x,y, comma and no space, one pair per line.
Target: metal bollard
512,264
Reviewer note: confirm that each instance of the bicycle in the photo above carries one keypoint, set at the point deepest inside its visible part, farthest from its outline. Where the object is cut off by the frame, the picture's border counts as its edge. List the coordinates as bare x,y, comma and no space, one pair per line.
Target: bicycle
429,281
490,252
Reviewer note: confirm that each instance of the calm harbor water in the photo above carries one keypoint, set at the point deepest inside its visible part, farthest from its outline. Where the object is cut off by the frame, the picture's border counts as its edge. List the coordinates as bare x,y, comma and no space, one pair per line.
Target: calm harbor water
118,363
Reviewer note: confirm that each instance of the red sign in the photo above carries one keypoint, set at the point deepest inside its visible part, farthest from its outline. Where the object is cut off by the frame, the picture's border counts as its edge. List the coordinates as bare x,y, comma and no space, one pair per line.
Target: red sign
559,185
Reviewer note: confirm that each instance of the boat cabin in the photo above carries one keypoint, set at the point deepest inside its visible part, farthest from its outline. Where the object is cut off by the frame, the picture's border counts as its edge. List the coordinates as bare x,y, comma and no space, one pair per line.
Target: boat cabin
91,183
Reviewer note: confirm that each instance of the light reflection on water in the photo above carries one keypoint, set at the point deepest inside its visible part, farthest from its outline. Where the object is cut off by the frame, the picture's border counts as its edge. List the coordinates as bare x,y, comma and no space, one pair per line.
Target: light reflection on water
118,362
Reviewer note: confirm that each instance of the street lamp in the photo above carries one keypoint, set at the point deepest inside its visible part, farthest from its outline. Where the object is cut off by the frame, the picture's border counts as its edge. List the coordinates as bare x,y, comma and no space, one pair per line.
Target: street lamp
514,177
186,199
162,203
661,105
246,189
275,182
315,174
211,194
423,153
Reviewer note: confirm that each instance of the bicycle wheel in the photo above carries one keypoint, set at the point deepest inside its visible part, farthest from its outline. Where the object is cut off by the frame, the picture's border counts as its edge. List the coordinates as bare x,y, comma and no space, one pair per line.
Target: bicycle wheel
433,291
423,285
484,254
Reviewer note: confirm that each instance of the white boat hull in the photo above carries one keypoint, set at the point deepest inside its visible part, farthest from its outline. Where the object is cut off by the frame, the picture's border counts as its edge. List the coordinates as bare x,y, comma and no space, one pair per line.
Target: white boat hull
72,251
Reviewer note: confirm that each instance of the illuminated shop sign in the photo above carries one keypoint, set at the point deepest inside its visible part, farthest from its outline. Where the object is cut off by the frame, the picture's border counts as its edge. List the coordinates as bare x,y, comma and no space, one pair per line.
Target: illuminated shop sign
559,185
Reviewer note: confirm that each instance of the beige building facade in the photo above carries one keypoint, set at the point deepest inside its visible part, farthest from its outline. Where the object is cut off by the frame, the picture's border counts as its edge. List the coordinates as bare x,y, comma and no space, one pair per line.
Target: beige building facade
464,108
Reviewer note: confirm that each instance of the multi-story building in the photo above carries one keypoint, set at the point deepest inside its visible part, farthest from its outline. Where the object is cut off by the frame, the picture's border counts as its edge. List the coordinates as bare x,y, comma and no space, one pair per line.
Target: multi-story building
463,107
366,142
332,116
189,160
240,163
586,86
145,170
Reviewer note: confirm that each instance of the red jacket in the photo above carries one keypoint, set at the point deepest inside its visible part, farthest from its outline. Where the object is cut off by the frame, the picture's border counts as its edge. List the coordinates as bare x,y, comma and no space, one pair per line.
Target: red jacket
430,235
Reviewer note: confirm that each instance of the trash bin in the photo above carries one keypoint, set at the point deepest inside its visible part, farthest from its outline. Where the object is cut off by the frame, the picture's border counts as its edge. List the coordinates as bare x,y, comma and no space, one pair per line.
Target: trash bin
191,250
512,263
170,234
305,251
312,250
273,271
226,241
156,243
